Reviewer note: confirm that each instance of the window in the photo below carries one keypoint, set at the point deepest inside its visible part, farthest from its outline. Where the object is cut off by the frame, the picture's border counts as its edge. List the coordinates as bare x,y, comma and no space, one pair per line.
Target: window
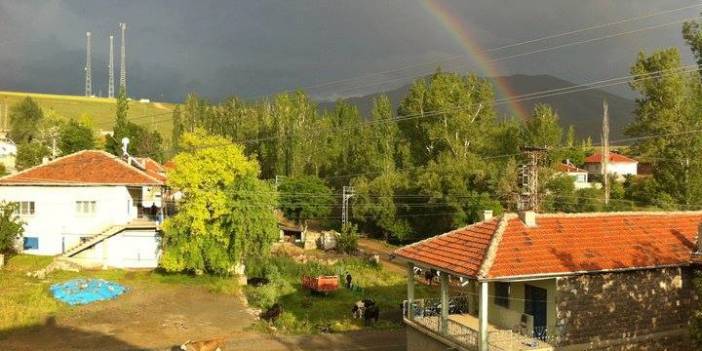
502,294
30,243
85,207
25,208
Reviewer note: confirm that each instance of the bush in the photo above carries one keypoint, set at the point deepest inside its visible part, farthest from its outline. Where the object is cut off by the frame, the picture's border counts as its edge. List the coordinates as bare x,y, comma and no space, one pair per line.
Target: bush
348,240
11,226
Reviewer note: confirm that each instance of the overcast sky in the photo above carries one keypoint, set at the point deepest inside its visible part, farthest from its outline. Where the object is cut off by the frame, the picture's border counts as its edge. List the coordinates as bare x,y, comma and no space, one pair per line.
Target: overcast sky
258,47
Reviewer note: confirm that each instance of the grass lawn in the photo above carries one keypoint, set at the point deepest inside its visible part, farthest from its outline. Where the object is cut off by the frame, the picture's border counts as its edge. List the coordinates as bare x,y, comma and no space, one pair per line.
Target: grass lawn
26,301
306,313
152,115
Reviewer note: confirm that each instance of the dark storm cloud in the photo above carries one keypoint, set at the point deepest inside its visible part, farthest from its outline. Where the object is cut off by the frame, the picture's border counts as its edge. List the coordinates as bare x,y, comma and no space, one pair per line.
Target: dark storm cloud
253,48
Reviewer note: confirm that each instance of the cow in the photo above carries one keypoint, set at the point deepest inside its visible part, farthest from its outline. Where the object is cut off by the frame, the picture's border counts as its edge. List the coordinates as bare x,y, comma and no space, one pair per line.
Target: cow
216,344
372,312
365,309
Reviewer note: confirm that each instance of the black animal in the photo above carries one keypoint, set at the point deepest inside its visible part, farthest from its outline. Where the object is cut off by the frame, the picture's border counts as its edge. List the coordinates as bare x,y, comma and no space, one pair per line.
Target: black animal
361,307
372,313
272,314
257,282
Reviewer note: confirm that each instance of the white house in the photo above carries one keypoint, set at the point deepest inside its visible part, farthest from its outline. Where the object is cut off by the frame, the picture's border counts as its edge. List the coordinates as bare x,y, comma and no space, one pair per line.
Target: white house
91,207
619,165
579,175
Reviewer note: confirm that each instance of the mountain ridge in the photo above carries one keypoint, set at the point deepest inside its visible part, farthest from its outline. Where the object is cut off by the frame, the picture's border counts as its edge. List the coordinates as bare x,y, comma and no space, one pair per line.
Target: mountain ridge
581,109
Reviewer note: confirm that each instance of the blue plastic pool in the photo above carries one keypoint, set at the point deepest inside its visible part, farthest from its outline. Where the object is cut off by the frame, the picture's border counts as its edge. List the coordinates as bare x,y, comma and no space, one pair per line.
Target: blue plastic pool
85,291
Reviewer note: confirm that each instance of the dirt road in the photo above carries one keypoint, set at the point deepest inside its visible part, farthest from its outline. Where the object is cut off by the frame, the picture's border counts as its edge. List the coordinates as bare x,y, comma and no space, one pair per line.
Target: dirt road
383,250
160,319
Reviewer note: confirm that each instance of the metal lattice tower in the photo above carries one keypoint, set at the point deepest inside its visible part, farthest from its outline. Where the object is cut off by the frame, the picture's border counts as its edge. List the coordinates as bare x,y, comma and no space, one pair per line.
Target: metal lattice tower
347,194
111,71
123,57
88,68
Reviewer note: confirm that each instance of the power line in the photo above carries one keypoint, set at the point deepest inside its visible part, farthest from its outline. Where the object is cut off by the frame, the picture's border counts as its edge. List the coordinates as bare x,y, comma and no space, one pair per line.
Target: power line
547,49
526,42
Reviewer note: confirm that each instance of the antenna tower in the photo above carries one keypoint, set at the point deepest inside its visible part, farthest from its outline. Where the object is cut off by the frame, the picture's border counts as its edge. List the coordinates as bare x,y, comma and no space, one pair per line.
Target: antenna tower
111,71
88,68
123,57
529,198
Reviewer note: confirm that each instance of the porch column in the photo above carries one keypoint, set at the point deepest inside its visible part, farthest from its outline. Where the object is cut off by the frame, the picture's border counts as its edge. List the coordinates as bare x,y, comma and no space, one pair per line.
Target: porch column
444,303
483,317
410,290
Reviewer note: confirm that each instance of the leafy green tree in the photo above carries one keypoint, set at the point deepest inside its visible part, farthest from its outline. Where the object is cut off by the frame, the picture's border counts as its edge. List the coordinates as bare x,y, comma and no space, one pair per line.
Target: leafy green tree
25,119
11,226
560,195
119,129
177,128
304,198
669,104
74,136
30,155
227,213
692,34
347,242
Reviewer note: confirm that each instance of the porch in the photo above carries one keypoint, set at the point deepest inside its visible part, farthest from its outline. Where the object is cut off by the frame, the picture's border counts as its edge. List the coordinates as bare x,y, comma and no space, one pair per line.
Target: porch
462,321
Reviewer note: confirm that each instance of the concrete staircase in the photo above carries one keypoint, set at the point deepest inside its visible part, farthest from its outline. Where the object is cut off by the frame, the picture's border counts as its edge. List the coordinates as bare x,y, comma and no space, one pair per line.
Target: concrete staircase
110,231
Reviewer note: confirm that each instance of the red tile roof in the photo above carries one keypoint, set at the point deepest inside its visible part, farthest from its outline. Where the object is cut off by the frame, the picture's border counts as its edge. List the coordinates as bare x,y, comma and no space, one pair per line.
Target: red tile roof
562,244
88,167
613,158
153,168
570,168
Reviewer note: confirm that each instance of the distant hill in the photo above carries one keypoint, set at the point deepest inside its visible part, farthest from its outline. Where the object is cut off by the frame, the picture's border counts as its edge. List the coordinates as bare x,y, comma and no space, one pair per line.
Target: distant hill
582,109
153,115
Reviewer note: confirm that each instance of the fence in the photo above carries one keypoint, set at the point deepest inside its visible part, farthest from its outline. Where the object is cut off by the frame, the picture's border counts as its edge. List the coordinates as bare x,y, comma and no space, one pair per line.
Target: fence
427,313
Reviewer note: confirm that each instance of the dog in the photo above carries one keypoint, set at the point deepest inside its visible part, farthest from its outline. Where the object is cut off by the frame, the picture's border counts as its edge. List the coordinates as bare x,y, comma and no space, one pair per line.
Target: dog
272,314
216,344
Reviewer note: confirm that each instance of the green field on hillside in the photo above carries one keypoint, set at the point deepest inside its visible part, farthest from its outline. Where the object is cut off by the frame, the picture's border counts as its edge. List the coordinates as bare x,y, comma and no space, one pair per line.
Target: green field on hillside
153,115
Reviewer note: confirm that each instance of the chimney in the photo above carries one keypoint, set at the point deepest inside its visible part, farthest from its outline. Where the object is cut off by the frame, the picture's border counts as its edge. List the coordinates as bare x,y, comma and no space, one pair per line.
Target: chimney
528,218
486,215
125,147
44,160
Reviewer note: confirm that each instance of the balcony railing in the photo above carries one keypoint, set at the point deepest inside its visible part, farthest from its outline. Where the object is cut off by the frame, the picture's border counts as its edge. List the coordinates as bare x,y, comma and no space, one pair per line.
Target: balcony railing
462,328
427,314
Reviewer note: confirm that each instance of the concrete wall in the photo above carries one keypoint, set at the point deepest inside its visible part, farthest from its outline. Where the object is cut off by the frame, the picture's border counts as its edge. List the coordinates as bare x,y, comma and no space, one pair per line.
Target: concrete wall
56,222
508,318
634,310
417,340
618,168
128,249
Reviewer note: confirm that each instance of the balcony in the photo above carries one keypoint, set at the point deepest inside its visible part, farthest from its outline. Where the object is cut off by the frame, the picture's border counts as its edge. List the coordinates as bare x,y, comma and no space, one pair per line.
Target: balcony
462,328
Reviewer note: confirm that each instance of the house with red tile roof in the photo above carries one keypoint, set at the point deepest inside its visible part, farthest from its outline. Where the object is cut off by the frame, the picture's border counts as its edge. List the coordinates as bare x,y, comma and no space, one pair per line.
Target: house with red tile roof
579,176
619,165
558,282
90,207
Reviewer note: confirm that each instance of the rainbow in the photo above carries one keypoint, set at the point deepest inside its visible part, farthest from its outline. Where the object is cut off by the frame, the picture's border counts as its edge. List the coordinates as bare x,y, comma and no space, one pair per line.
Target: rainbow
462,33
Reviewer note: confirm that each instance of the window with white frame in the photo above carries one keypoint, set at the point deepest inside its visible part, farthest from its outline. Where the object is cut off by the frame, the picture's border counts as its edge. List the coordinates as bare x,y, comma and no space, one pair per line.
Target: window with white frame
85,207
25,208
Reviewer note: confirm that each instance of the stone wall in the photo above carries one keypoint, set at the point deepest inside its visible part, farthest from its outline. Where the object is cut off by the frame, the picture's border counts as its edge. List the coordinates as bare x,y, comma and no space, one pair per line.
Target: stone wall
635,310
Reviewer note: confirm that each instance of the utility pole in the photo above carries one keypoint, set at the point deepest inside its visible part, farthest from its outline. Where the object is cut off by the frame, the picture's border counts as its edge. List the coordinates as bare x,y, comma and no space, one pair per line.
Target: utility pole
605,150
111,71
88,68
529,198
347,193
123,57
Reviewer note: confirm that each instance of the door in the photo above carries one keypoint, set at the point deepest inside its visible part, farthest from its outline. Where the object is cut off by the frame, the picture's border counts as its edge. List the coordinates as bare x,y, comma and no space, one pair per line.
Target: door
535,304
